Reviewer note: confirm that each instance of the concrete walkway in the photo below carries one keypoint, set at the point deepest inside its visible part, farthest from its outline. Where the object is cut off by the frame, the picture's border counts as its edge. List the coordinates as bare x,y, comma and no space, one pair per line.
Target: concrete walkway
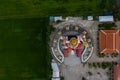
71,72
72,60
76,72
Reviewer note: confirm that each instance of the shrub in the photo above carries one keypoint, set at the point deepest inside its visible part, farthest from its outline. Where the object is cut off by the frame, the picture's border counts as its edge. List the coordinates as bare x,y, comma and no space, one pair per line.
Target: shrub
104,65
101,55
90,73
89,65
62,78
83,78
98,73
114,55
99,65
107,25
116,13
94,65
58,21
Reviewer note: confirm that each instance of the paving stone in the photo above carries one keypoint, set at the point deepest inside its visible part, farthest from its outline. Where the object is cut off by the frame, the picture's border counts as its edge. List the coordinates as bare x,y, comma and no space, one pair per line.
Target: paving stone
73,69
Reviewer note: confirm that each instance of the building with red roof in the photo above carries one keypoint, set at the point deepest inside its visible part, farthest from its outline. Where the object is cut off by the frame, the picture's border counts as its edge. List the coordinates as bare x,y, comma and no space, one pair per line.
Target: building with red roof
115,70
109,41
67,51
80,46
79,52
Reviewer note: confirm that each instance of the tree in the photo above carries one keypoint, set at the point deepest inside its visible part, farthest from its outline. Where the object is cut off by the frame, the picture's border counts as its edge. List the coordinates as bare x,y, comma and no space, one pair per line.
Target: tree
114,55
116,13
58,21
94,65
83,78
89,65
107,25
115,63
62,78
98,73
99,64
109,74
90,73
104,66
100,55
61,11
102,4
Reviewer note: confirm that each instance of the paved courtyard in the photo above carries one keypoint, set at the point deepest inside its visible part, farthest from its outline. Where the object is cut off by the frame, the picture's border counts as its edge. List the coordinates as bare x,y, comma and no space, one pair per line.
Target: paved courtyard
72,60
118,24
76,72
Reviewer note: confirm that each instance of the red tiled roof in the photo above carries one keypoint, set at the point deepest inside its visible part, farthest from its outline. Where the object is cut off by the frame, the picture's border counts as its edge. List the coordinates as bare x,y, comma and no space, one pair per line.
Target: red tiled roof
65,53
69,50
109,41
79,52
80,46
115,72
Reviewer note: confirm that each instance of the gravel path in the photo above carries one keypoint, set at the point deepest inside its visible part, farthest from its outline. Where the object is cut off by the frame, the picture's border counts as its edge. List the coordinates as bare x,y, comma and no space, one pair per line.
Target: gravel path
71,72
72,60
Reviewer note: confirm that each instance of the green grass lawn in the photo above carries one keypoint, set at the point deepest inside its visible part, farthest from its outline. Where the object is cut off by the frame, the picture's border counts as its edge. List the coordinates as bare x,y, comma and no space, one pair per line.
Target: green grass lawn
23,49
41,8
